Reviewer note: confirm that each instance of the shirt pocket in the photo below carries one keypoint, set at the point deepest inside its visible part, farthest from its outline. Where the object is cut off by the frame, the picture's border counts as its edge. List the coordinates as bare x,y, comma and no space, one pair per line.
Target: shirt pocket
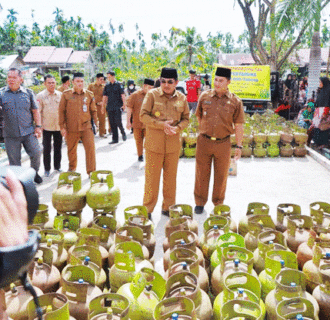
158,110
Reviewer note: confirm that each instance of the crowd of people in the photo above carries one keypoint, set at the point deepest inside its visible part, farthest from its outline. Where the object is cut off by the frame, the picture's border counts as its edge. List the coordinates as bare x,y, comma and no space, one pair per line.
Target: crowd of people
311,114
157,113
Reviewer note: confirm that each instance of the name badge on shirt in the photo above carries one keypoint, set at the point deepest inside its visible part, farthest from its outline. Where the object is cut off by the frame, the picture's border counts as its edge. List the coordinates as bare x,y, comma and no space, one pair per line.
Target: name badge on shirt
207,102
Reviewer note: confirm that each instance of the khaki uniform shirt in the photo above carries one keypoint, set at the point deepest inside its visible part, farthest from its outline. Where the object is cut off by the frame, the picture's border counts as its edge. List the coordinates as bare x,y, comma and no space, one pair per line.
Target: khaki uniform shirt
134,102
217,115
72,114
61,88
48,105
158,108
98,91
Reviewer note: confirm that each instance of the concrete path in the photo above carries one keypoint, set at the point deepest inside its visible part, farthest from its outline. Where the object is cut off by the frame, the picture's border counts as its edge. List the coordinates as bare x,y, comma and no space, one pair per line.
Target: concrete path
272,181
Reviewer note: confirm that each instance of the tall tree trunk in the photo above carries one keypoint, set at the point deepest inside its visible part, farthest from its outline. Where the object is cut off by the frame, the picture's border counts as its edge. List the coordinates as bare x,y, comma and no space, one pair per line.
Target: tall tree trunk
314,70
273,53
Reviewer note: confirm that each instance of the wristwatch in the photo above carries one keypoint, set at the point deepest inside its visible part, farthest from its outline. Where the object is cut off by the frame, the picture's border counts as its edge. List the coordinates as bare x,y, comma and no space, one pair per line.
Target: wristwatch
38,126
239,147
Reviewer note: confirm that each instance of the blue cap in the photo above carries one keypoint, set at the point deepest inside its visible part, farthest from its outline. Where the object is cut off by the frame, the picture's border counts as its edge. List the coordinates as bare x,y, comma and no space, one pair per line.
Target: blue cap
104,226
327,255
184,265
182,242
215,227
81,281
282,262
175,316
293,284
240,291
237,261
299,317
271,242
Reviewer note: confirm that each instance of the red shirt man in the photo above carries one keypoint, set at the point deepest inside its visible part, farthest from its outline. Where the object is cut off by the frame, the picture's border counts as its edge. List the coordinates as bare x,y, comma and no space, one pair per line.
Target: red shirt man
193,90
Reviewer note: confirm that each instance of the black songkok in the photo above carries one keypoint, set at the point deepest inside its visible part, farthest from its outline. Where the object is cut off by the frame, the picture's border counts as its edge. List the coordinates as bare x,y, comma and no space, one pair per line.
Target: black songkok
169,73
78,75
150,82
223,72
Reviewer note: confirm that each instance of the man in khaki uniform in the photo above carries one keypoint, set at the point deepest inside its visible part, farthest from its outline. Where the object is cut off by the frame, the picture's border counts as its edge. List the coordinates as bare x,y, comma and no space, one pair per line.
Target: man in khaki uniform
219,114
97,88
77,108
65,84
134,103
49,100
165,113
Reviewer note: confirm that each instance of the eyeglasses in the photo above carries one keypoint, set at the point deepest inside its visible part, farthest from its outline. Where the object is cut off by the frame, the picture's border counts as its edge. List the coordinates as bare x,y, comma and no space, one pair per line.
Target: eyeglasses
166,81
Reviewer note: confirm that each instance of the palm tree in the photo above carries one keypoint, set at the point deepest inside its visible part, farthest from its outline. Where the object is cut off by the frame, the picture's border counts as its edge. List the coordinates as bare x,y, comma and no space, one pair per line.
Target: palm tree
315,53
190,44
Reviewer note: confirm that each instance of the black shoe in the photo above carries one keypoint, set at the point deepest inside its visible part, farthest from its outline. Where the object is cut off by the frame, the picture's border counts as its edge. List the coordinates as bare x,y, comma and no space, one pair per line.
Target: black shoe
166,213
199,209
112,142
140,159
124,137
37,179
80,141
149,216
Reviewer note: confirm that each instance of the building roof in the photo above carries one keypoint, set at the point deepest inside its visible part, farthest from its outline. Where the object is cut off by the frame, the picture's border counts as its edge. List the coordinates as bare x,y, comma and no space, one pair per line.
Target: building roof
39,54
60,56
52,55
79,57
301,57
236,59
7,61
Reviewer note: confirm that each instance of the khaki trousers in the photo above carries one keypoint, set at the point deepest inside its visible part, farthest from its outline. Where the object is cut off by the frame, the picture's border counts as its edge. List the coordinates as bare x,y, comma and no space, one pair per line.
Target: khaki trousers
155,162
72,140
101,117
209,151
139,134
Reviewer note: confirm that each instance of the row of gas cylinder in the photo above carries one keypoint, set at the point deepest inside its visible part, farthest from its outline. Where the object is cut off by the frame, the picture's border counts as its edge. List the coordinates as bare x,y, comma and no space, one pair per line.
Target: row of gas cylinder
101,270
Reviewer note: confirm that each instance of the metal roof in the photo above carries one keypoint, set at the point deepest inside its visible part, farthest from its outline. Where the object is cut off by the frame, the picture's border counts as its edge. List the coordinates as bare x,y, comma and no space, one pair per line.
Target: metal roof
60,56
39,54
235,59
79,57
7,61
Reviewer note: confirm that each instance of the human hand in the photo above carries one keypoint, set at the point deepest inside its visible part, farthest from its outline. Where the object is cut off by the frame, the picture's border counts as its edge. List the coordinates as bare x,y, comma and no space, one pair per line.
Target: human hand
168,129
37,132
63,133
128,125
102,110
13,213
238,154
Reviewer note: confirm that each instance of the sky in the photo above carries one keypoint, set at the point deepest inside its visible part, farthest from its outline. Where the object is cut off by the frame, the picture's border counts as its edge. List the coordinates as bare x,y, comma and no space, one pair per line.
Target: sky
152,16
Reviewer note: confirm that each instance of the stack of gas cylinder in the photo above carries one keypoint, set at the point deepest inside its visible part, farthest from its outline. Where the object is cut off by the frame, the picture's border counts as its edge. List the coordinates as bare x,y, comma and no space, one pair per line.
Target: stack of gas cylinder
102,270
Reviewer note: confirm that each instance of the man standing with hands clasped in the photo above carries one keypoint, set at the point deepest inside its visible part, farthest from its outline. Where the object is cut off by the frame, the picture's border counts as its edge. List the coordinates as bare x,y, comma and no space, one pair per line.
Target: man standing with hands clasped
76,110
165,113
219,114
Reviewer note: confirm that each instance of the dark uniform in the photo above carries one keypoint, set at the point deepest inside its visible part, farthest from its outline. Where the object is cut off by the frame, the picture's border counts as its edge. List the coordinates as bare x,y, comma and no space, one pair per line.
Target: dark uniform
162,151
75,114
114,91
98,95
217,116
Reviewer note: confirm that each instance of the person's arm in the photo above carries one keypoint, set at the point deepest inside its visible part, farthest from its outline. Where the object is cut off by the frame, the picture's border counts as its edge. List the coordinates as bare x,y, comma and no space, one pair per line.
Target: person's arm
61,115
35,114
239,132
123,97
93,111
185,117
41,108
199,111
130,106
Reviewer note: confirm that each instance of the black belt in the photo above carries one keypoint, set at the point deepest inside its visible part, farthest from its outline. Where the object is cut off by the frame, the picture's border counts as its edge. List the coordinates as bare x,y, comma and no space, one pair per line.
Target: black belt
216,139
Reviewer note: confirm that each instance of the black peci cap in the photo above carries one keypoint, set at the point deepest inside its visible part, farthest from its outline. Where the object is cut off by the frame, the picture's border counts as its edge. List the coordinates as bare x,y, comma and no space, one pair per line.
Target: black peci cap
169,73
148,81
223,72
100,75
112,73
78,75
65,79
192,71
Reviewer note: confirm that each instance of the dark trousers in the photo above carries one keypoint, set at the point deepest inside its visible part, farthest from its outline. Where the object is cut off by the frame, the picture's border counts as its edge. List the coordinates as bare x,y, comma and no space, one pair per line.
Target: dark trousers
47,144
31,146
115,123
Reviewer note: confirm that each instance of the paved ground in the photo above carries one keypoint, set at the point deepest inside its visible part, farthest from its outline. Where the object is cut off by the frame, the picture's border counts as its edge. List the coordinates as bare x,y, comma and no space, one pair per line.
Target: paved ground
272,181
